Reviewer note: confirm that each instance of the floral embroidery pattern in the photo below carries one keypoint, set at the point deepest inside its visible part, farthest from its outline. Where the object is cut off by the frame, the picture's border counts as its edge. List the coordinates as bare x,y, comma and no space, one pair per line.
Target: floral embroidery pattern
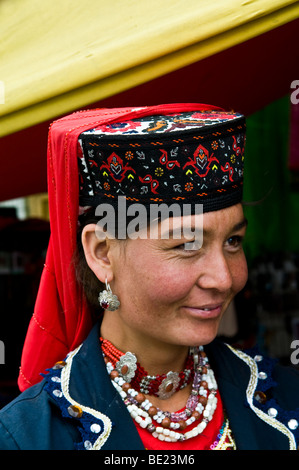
129,155
188,186
191,156
159,171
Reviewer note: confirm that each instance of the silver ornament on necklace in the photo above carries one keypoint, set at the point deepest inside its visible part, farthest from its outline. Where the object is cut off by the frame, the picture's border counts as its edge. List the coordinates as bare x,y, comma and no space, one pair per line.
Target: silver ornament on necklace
168,385
126,366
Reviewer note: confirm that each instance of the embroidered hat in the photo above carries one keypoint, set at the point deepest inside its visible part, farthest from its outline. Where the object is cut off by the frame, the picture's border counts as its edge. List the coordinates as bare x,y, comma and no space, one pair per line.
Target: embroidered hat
190,157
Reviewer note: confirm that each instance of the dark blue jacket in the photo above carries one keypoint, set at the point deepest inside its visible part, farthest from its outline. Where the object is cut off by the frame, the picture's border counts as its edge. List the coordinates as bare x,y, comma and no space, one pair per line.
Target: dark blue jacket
76,406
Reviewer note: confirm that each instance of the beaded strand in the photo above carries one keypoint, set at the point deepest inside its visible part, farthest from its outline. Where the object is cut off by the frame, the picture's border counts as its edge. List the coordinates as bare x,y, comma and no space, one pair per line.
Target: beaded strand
163,425
150,384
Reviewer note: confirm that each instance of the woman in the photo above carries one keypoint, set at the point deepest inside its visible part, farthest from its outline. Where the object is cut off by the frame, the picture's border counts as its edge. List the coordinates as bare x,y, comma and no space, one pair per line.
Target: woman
153,232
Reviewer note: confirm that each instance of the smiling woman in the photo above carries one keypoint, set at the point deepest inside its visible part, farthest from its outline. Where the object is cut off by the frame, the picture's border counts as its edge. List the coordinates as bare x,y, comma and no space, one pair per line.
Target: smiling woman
126,325
173,289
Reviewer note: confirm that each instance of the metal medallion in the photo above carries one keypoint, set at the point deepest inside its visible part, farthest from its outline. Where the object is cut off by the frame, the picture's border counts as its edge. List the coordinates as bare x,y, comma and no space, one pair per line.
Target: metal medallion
127,366
169,385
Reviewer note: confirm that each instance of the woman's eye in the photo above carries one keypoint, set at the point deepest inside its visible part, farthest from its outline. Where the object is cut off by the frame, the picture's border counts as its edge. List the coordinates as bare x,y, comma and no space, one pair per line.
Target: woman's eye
193,245
235,241
183,246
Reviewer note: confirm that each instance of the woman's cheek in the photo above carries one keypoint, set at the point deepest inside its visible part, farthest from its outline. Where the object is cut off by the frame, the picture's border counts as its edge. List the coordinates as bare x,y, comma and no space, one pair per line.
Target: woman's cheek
174,285
240,274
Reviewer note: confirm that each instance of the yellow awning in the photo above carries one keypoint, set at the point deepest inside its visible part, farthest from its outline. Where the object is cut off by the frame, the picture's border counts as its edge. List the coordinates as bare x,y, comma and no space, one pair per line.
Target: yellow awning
60,55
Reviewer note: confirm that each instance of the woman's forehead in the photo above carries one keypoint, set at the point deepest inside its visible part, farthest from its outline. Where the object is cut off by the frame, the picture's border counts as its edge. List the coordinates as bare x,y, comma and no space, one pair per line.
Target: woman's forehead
232,216
190,227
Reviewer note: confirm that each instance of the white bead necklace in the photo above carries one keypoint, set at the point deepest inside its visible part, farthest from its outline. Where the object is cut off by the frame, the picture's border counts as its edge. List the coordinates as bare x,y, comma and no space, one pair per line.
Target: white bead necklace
165,426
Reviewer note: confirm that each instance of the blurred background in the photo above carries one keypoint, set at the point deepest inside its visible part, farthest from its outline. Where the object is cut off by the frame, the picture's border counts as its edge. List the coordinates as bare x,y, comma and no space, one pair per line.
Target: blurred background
61,56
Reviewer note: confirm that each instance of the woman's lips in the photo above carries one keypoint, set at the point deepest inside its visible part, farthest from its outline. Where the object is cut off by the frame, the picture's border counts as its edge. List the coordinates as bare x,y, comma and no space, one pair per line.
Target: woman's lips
205,311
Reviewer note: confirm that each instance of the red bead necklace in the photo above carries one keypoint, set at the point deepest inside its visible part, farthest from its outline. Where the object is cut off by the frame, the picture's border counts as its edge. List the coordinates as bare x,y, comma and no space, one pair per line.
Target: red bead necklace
162,386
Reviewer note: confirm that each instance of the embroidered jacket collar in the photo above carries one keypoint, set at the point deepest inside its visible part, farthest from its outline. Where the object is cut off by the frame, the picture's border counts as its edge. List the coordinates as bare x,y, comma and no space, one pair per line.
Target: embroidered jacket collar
85,383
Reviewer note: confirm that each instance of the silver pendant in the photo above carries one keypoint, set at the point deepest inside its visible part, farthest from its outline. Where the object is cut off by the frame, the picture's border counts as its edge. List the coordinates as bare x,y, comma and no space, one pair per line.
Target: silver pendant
127,366
169,385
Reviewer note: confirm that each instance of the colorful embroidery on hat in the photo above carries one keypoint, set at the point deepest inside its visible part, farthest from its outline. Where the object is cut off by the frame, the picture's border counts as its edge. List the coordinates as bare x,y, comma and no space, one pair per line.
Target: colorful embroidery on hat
116,167
164,124
194,154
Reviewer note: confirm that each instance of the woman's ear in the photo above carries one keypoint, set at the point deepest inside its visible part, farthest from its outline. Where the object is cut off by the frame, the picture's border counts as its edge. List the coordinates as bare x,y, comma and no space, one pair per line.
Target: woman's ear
96,248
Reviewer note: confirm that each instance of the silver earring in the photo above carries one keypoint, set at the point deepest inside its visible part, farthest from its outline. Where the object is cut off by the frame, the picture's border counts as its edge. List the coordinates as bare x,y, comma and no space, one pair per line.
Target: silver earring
107,300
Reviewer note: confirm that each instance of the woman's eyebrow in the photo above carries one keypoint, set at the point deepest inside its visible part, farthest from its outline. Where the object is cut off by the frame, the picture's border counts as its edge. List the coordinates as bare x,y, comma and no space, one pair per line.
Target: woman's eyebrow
240,225
235,228
178,232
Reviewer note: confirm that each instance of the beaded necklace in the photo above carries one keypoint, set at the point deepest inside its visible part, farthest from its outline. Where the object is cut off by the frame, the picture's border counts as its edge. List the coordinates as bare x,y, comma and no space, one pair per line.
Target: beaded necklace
162,386
163,425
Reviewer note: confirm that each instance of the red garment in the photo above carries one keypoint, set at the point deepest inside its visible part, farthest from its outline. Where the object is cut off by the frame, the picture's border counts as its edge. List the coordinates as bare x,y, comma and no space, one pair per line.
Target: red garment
61,320
201,442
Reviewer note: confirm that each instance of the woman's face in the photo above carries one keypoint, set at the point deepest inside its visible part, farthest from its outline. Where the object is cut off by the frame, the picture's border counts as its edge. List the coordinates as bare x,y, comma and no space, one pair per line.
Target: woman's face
176,296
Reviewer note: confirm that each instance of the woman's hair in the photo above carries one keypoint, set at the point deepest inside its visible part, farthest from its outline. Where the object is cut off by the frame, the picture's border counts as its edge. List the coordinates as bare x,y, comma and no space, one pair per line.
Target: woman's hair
85,276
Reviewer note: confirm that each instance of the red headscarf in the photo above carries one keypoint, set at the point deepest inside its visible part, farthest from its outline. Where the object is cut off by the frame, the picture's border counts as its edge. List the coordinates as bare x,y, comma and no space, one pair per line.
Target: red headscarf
61,319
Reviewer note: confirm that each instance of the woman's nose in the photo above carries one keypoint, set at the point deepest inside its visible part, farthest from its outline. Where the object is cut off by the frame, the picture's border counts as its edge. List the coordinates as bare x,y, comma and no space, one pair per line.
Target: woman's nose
216,273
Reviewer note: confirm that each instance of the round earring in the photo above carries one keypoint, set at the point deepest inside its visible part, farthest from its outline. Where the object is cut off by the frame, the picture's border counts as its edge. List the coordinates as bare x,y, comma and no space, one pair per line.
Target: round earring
107,300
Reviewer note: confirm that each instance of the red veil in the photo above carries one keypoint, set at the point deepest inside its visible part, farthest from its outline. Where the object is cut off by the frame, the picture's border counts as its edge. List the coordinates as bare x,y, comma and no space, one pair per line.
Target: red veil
61,320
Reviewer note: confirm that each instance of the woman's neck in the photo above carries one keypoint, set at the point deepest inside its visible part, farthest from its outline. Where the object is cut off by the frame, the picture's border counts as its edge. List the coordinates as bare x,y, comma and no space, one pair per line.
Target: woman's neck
155,361
155,357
